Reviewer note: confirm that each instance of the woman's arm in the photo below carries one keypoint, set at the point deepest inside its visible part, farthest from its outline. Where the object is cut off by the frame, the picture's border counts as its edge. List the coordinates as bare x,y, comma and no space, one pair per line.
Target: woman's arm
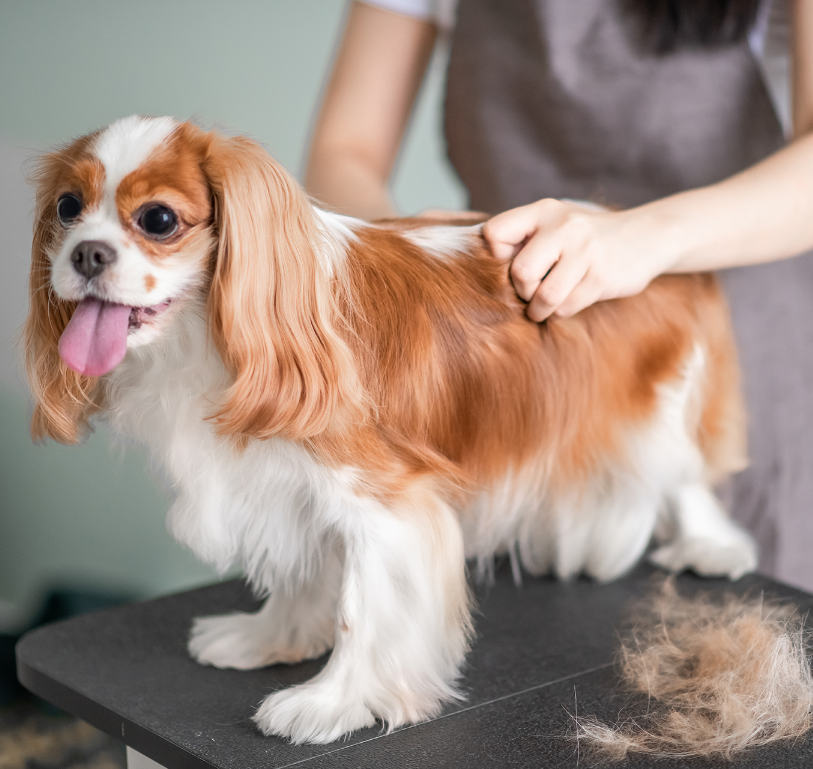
762,214
378,71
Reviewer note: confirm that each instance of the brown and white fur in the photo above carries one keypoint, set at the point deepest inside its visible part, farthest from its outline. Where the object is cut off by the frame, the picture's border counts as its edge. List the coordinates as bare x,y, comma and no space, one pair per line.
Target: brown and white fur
349,411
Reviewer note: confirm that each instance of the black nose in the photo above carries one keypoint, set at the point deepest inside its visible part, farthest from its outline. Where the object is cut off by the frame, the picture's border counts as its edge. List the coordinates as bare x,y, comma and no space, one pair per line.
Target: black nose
90,257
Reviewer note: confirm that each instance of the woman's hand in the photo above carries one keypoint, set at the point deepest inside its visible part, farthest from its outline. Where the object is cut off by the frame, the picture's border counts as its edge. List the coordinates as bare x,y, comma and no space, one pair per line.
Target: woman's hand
566,255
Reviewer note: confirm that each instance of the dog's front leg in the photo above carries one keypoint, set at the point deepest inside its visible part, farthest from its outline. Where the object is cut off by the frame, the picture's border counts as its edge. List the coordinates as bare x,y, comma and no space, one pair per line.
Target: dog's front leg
402,626
295,623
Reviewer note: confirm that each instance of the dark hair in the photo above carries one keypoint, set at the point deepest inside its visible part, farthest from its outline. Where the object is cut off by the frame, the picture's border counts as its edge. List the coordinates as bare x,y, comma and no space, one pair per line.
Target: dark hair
669,25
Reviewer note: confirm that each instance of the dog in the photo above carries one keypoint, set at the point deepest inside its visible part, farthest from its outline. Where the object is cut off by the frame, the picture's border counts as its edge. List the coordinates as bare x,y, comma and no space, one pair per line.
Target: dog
351,410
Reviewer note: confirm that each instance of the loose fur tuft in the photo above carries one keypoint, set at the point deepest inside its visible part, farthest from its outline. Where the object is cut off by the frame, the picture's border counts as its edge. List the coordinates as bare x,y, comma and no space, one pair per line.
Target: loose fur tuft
723,676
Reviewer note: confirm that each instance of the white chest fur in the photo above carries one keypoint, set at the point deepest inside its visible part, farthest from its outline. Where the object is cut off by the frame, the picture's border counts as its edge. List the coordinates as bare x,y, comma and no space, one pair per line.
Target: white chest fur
268,506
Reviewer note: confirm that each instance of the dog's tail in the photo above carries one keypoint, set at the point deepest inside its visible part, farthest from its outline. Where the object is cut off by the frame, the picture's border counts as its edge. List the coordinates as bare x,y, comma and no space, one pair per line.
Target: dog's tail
721,676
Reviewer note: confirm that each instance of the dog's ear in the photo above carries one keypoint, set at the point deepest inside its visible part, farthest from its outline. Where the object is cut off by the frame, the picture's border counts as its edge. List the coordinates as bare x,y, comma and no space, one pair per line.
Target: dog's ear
273,309
63,399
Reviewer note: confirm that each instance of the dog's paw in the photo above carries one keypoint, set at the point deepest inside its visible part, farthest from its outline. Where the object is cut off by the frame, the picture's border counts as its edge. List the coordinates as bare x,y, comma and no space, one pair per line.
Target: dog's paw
248,641
230,641
312,712
708,558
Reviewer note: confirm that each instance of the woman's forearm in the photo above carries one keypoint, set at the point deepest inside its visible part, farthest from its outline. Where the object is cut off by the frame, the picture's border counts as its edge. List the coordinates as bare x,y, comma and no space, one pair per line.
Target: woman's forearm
375,79
348,185
762,214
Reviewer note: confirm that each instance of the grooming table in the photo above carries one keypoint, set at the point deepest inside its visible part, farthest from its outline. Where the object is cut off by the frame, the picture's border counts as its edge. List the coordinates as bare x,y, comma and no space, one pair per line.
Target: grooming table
542,652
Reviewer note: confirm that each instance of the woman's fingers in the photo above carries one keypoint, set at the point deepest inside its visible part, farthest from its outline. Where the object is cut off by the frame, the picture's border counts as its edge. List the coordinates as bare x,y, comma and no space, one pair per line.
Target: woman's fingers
567,256
587,292
506,233
562,252
556,289
534,261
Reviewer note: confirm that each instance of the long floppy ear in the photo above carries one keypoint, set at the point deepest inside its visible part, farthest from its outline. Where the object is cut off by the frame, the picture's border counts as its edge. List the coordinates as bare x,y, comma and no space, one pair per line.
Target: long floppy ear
273,307
63,399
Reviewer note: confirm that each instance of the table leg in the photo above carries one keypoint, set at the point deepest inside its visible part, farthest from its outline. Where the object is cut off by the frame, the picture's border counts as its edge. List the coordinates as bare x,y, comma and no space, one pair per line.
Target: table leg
136,760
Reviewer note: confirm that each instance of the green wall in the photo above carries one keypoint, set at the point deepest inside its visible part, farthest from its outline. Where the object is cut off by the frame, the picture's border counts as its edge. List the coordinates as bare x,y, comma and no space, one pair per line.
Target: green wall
93,515
254,66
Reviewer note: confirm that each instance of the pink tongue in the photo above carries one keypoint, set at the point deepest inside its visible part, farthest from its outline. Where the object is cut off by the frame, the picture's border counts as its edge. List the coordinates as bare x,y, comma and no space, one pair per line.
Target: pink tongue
95,340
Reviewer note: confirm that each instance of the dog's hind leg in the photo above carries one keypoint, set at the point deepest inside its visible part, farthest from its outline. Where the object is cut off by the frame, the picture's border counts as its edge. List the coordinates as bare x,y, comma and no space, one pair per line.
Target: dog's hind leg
704,538
698,534
294,624
402,625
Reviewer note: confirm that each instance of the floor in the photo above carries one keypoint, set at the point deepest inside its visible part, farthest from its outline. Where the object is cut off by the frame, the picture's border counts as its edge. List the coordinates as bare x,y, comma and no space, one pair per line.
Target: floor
39,737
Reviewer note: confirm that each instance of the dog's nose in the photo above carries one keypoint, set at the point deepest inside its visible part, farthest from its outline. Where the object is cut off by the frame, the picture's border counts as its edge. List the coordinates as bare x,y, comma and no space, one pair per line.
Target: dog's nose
91,257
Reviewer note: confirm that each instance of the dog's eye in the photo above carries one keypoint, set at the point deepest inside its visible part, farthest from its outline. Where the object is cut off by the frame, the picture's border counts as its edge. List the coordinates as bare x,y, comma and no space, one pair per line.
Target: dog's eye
68,207
158,221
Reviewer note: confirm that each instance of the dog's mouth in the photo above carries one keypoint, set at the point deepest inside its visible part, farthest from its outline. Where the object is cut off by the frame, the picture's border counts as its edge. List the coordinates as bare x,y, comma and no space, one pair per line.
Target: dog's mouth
139,315
95,340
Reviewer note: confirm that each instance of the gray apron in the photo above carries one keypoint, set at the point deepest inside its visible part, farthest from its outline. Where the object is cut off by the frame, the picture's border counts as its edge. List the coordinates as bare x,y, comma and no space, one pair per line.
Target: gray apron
557,98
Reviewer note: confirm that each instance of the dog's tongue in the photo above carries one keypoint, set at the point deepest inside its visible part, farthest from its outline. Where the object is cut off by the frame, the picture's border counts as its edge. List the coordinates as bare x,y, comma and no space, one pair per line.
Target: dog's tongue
95,340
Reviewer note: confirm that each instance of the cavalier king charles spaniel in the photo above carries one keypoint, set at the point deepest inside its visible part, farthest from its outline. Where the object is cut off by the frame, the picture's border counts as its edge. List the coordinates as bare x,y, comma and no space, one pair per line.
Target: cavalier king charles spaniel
350,410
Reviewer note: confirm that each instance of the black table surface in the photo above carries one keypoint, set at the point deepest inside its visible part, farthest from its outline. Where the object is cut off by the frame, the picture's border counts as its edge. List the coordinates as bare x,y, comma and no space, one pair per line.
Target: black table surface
543,652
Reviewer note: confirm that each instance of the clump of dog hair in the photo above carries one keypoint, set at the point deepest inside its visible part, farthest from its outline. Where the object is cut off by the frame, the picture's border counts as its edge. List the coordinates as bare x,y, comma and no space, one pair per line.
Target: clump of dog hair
721,676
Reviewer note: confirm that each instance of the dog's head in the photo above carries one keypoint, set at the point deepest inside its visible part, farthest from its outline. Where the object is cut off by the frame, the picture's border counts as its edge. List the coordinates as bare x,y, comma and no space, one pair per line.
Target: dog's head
134,223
